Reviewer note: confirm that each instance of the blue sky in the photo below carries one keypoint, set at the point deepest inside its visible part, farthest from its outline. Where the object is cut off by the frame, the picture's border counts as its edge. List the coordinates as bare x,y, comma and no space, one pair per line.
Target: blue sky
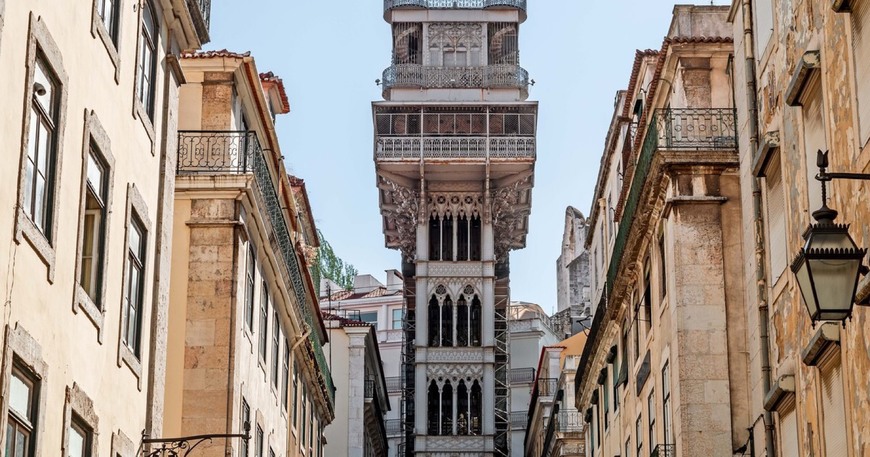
329,54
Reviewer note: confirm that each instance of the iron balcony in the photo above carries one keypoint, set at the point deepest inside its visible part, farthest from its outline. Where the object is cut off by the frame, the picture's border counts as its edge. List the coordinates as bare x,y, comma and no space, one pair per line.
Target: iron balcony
389,5
497,76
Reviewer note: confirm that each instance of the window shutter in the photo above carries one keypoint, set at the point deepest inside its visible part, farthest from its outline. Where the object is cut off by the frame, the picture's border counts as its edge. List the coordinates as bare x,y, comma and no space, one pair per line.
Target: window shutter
788,440
776,237
833,407
861,49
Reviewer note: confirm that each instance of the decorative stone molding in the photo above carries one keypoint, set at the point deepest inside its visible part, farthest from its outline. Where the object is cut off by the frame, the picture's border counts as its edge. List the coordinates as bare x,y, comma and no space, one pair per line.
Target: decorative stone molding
403,214
457,355
445,204
455,270
455,287
506,214
455,372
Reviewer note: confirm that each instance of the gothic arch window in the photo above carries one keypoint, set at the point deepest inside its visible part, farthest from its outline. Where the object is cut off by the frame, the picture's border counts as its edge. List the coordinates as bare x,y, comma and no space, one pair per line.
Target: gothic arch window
476,317
462,328
455,44
447,311
434,402
476,409
454,323
462,411
434,321
447,409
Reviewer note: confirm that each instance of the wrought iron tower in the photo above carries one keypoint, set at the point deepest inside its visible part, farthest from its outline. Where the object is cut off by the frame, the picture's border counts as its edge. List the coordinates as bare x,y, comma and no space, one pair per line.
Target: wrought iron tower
454,157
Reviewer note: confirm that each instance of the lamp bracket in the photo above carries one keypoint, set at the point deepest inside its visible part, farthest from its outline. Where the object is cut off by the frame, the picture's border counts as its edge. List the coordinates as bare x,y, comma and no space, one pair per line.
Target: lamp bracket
184,445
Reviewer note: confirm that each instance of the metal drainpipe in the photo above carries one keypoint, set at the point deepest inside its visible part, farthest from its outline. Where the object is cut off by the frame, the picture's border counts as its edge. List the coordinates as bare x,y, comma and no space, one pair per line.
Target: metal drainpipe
758,213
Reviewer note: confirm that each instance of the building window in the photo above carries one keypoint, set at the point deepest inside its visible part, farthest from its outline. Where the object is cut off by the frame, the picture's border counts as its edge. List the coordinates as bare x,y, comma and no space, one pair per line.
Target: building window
276,336
259,439
638,433
454,240
93,234
651,412
370,317
398,318
108,12
666,403
647,300
39,169
285,385
147,59
264,322
605,391
463,418
442,313
774,204
134,285
763,16
628,447
250,268
21,423
833,405
80,438
663,269
814,138
295,395
304,418
246,419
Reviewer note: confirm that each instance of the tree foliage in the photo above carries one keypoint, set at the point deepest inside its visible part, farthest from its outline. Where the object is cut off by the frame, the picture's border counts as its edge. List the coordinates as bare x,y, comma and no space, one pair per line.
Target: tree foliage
332,267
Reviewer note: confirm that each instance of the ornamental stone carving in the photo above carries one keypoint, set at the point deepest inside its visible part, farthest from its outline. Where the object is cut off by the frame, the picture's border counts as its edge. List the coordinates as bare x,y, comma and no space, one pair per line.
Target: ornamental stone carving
456,287
468,372
458,355
402,212
507,212
455,269
457,204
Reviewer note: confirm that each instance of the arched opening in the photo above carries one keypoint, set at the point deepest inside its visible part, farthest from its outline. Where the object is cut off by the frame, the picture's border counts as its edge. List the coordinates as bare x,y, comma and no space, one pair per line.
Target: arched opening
434,321
475,321
462,230
434,238
433,405
462,322
462,412
476,408
475,229
447,409
447,322
447,238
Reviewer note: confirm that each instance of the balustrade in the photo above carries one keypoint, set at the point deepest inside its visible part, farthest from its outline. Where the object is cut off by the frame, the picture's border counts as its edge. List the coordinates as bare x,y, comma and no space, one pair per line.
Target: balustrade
463,4
432,77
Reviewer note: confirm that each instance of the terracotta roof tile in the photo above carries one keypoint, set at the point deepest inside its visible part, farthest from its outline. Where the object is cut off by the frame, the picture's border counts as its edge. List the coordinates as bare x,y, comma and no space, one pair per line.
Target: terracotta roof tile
345,322
270,77
211,54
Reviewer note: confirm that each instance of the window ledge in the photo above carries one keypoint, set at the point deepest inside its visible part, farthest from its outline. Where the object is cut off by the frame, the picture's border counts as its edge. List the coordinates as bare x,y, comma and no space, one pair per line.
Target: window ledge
808,67
826,336
140,112
98,29
27,230
126,357
780,391
769,143
92,311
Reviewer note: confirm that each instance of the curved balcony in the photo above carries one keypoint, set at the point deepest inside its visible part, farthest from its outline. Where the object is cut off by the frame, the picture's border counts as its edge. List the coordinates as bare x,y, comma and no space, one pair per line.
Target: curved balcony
500,76
520,5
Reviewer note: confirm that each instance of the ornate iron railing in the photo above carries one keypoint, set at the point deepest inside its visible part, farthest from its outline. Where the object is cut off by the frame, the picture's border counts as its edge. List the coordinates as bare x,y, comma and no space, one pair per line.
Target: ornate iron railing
394,427
664,450
213,151
394,384
519,419
200,11
429,77
416,147
671,129
547,387
570,421
522,375
470,4
696,128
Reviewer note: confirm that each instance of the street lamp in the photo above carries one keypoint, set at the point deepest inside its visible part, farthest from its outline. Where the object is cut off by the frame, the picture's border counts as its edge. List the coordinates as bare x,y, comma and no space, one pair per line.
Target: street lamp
828,266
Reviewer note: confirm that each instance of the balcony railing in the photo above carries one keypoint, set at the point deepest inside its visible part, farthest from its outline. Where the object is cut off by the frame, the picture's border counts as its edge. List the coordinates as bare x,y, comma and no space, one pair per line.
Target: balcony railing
236,152
696,128
394,427
570,421
671,129
519,420
522,375
488,76
547,387
416,147
464,4
215,151
664,450
394,384
200,10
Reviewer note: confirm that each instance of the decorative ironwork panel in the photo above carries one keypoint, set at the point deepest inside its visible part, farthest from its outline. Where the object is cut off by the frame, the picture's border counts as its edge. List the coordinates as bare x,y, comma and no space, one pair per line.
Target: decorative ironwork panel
696,128
215,151
394,384
498,76
570,421
403,148
519,419
394,427
522,375
664,450
469,4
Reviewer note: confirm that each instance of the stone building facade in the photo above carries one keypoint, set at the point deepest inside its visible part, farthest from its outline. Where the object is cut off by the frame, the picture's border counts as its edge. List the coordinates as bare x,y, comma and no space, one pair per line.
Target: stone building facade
664,369
379,305
245,331
801,85
359,429
88,122
573,299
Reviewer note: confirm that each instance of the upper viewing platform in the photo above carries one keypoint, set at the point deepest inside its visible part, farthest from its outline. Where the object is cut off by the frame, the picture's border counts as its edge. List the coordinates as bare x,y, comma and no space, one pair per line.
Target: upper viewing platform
520,5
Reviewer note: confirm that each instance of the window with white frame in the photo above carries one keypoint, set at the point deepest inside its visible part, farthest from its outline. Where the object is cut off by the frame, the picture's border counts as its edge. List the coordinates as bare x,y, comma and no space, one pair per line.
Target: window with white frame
93,235
398,318
40,165
21,422
264,322
109,12
250,275
134,285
